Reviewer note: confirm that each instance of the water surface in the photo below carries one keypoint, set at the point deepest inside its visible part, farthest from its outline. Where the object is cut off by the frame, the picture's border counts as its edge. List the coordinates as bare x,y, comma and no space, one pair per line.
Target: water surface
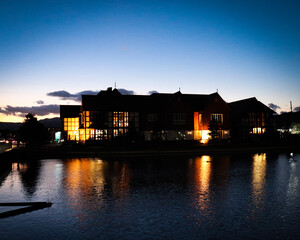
208,197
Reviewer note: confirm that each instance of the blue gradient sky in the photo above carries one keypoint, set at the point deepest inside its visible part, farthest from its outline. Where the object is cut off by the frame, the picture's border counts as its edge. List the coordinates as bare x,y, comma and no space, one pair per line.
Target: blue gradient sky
242,48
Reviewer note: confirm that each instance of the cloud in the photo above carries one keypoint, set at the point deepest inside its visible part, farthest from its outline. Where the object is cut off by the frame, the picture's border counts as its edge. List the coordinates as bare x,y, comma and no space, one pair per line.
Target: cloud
153,91
297,109
64,95
37,110
87,92
273,106
40,102
126,92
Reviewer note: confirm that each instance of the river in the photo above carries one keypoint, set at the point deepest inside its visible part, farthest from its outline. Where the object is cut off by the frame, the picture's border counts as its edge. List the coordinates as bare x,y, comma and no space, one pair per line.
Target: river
239,196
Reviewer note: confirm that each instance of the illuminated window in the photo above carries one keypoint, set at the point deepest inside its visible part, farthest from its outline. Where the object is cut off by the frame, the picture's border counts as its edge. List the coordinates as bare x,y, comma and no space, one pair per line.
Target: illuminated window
200,119
121,131
116,132
258,130
216,117
101,134
71,126
179,118
120,119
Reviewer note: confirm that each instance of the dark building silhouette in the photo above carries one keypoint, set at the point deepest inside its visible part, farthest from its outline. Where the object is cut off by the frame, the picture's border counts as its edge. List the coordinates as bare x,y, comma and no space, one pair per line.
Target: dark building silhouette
250,117
288,122
175,116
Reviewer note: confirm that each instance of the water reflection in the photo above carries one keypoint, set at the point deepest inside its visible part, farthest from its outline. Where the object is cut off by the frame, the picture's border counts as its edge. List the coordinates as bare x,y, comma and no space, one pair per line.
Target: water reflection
94,180
293,181
259,168
29,174
220,170
221,197
202,178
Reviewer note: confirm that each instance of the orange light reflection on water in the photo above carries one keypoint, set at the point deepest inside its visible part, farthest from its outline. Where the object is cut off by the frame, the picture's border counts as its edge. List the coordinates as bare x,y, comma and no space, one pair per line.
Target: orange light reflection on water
202,181
86,180
259,168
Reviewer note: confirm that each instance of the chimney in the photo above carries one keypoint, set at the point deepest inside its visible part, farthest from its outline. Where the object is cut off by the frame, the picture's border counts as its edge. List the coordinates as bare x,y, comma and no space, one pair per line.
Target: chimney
109,89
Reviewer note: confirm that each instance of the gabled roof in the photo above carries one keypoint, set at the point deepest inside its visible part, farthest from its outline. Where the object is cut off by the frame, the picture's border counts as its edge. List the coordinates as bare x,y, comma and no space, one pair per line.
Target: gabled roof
196,101
112,99
249,105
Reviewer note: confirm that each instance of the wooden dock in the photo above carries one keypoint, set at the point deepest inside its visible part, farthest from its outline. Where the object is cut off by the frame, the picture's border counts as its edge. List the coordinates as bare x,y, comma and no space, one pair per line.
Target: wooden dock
26,207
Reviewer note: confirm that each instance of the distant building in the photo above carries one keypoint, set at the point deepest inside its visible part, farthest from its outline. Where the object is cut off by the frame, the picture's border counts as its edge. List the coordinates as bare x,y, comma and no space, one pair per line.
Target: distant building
288,123
177,116
70,117
250,117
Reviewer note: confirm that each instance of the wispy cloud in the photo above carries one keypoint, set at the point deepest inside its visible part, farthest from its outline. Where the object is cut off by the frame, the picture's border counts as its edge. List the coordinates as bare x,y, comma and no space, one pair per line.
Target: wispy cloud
153,91
273,106
37,110
65,95
40,102
126,91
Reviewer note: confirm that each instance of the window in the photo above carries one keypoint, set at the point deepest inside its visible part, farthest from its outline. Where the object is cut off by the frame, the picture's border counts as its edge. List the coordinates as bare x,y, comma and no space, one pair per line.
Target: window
152,117
87,119
258,130
120,119
179,118
216,117
257,119
100,134
71,126
200,118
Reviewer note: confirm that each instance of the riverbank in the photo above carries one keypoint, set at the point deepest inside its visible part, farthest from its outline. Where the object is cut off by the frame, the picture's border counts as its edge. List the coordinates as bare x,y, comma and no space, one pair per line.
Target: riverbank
81,151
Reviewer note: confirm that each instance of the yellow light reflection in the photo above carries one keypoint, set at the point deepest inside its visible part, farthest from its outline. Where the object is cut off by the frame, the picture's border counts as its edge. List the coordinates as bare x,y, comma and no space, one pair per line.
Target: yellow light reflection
202,180
259,179
86,179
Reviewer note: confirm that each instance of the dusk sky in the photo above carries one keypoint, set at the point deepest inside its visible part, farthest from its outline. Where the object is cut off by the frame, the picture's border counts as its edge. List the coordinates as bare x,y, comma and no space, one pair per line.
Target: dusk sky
52,51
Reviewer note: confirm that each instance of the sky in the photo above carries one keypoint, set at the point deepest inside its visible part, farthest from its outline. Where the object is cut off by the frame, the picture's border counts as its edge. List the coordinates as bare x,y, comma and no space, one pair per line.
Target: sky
53,51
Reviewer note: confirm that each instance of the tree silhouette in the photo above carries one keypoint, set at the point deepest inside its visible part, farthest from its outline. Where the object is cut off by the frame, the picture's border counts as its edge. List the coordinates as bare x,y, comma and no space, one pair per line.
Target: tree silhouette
33,132
213,128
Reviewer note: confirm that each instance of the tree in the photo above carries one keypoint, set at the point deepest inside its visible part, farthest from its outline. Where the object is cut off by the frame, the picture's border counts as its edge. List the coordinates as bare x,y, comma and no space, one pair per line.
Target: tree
213,128
32,131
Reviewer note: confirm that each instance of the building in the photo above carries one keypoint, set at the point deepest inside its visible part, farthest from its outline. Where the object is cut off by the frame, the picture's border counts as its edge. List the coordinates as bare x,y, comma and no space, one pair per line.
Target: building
288,123
109,115
250,117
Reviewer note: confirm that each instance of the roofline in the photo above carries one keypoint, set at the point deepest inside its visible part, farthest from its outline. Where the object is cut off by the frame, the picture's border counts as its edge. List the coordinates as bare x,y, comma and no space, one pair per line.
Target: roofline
254,98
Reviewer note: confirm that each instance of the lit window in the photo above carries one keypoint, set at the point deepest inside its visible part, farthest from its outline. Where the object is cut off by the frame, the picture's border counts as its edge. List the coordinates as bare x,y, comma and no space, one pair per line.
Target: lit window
216,117
116,132
258,130
71,126
120,119
200,118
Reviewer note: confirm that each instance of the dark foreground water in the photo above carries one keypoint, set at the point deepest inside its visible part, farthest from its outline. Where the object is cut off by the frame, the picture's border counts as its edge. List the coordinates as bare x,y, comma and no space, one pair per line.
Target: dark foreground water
206,197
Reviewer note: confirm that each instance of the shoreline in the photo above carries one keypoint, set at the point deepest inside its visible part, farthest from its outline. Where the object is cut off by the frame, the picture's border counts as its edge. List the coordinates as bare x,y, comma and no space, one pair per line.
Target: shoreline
55,151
